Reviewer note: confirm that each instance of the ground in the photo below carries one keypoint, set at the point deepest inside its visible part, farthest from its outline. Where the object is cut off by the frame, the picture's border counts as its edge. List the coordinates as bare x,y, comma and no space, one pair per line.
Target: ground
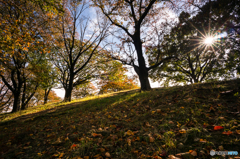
175,122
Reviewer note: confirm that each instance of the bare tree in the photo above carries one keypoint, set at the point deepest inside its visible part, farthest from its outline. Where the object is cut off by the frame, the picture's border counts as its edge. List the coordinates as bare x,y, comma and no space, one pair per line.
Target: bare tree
73,55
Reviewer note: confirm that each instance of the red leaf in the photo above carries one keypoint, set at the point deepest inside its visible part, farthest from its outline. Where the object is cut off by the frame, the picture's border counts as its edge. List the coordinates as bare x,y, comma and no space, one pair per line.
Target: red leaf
227,133
218,127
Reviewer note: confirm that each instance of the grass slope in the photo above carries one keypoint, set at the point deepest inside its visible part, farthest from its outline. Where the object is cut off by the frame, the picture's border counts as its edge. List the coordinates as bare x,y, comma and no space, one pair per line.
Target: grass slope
162,123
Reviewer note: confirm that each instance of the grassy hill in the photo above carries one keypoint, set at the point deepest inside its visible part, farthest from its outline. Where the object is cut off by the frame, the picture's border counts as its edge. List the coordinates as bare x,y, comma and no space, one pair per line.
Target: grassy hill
183,122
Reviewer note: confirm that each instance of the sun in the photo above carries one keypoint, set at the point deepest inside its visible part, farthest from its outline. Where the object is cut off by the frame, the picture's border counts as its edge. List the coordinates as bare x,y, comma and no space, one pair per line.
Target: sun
209,40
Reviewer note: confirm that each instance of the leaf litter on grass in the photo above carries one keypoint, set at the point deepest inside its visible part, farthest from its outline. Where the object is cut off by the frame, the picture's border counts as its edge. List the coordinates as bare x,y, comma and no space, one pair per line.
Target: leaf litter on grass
133,125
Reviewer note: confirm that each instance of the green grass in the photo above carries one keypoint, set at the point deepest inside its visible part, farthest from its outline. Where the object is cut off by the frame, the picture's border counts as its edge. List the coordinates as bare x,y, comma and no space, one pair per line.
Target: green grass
130,124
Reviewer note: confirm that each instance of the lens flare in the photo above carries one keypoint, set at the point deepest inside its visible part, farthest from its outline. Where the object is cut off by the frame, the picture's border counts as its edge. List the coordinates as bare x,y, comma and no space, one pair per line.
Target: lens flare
209,40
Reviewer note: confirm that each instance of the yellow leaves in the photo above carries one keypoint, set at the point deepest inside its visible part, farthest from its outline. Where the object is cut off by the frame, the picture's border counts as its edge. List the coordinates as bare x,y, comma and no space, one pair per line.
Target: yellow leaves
129,133
61,155
158,136
178,124
136,151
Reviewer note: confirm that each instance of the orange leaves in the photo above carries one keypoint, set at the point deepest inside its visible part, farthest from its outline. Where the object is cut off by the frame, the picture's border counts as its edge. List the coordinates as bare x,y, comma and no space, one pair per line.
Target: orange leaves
227,132
171,122
192,152
129,141
107,154
183,131
238,132
147,124
101,149
25,49
73,147
96,135
151,139
129,133
217,128
202,140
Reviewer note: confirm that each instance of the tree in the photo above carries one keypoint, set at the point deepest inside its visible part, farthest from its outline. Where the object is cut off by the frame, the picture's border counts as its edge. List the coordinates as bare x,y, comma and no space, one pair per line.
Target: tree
22,28
115,80
48,78
39,99
197,61
138,19
5,97
84,90
74,52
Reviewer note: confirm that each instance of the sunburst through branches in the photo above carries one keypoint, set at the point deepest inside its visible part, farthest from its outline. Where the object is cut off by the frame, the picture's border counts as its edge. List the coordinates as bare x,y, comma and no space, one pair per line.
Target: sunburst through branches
209,40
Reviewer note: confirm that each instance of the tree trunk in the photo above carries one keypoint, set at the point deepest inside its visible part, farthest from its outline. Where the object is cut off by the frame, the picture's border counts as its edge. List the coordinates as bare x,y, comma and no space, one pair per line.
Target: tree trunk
68,95
24,95
69,88
16,103
47,91
142,69
144,81
25,103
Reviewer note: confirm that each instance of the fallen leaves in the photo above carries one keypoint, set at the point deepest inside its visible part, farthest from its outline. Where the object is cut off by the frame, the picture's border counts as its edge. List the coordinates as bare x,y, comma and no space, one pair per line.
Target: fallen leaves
192,152
151,139
129,141
171,122
238,132
140,136
107,154
202,140
101,149
182,131
129,133
227,132
96,135
217,128
147,124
